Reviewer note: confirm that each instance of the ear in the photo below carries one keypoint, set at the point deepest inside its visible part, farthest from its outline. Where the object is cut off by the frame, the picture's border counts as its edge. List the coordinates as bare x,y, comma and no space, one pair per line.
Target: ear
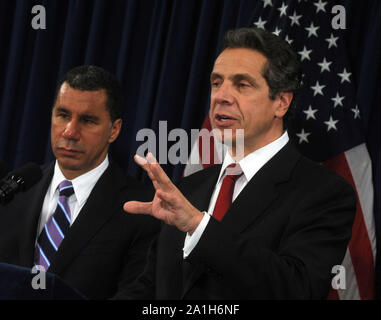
284,99
115,130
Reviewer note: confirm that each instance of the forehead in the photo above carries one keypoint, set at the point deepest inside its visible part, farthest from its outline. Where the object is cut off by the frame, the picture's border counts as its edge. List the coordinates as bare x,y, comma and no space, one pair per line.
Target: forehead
239,61
81,101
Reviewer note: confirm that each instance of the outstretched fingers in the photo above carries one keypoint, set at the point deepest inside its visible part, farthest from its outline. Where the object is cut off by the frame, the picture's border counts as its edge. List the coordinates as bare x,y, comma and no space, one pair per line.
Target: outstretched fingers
146,166
159,174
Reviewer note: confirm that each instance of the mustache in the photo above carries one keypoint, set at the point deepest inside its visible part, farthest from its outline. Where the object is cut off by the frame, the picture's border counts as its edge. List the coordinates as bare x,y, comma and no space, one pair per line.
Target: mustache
70,144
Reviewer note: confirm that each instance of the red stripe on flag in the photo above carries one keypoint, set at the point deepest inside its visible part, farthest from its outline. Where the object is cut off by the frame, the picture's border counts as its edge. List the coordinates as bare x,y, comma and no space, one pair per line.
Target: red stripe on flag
359,245
206,153
333,295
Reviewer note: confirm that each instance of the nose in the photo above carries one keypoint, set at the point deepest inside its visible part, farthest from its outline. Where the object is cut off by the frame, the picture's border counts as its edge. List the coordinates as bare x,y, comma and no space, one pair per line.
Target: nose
72,130
223,94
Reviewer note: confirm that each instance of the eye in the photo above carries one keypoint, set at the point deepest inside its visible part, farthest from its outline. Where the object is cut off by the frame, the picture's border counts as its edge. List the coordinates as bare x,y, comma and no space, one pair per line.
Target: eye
62,115
88,120
215,84
243,85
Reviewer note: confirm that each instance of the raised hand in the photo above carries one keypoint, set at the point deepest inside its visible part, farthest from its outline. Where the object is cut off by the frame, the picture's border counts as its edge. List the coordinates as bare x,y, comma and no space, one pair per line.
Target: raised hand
168,204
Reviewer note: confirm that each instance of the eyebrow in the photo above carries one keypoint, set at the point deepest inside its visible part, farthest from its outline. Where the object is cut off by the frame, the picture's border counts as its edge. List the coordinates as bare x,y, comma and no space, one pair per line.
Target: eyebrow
215,75
245,76
236,78
62,109
82,116
89,117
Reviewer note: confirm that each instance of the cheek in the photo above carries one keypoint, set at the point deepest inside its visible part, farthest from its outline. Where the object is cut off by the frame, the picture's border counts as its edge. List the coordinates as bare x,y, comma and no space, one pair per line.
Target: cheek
97,139
54,132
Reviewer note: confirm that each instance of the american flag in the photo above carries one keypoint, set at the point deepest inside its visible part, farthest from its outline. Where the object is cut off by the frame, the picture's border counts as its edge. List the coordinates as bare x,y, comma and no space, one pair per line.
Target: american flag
327,125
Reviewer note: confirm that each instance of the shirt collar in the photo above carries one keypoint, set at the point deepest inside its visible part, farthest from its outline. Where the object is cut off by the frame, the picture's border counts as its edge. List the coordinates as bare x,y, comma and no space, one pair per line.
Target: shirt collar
83,184
254,161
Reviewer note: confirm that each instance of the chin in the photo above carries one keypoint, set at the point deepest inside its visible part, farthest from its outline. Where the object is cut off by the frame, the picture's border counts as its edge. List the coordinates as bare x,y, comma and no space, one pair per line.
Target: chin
70,164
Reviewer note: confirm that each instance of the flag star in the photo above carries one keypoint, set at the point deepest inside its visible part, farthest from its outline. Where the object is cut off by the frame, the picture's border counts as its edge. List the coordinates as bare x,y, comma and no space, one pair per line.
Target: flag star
305,54
277,31
303,136
338,100
318,89
331,124
356,111
289,40
283,10
310,113
301,81
344,76
312,30
320,6
260,23
332,41
324,65
267,3
295,19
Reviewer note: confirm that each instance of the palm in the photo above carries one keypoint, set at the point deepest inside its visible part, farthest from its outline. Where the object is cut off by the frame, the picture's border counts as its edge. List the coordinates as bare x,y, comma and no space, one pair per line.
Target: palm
159,209
168,204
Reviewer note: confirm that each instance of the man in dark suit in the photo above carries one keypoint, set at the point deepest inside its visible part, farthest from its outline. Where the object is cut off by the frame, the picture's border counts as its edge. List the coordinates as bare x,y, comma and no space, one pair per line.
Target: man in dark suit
72,221
268,224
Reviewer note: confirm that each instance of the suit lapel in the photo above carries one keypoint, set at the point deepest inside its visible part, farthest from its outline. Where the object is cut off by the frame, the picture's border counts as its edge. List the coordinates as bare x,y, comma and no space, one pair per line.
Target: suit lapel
99,208
32,217
262,190
199,187
252,202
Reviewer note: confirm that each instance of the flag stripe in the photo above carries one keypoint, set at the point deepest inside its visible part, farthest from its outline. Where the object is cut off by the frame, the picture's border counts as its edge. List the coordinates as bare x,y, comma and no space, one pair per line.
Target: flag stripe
361,168
206,152
351,291
194,162
359,245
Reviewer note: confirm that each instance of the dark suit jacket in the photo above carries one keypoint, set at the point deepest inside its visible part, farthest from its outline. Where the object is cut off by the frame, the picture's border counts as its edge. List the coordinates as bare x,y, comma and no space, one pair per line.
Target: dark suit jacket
279,240
105,249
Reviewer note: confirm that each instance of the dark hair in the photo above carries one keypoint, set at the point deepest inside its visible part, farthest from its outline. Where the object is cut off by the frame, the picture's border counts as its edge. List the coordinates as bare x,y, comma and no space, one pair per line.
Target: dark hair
93,78
282,71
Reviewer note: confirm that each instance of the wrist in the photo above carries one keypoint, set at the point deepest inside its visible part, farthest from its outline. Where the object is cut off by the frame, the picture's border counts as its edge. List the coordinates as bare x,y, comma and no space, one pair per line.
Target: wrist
195,221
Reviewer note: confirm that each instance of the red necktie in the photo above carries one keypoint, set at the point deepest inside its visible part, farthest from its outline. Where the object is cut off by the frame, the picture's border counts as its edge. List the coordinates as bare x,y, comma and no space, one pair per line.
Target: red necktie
224,200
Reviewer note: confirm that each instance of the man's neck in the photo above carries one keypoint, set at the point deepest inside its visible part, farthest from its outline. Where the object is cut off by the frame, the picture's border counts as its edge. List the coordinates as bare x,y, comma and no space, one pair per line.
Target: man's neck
238,153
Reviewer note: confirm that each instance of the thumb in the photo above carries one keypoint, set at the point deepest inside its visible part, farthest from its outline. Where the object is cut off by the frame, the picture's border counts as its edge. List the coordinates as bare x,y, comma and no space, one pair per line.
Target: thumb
137,207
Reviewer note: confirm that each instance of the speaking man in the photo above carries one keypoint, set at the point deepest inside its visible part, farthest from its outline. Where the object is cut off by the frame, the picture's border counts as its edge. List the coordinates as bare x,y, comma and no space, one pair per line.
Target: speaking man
268,225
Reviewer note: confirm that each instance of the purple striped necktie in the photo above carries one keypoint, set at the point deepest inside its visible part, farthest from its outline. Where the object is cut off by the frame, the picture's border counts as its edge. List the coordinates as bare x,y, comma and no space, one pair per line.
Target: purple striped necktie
55,229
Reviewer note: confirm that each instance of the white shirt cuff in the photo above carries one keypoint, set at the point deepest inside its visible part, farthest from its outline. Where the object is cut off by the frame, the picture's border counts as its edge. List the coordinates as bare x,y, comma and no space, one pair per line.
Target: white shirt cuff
192,240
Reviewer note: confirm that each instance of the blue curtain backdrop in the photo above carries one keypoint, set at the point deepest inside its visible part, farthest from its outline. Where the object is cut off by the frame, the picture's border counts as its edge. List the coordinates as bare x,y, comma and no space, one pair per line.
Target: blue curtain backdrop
162,51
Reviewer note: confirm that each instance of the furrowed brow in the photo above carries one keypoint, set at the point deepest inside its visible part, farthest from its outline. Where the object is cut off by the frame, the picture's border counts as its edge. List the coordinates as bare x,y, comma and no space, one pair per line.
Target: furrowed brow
214,76
245,77
61,109
91,117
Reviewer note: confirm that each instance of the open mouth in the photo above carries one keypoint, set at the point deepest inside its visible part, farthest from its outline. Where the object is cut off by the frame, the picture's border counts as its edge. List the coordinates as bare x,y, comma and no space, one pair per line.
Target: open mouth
224,120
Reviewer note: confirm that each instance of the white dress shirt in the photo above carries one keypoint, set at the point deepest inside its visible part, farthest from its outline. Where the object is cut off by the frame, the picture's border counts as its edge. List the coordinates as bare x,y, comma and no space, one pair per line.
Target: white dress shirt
82,185
250,165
